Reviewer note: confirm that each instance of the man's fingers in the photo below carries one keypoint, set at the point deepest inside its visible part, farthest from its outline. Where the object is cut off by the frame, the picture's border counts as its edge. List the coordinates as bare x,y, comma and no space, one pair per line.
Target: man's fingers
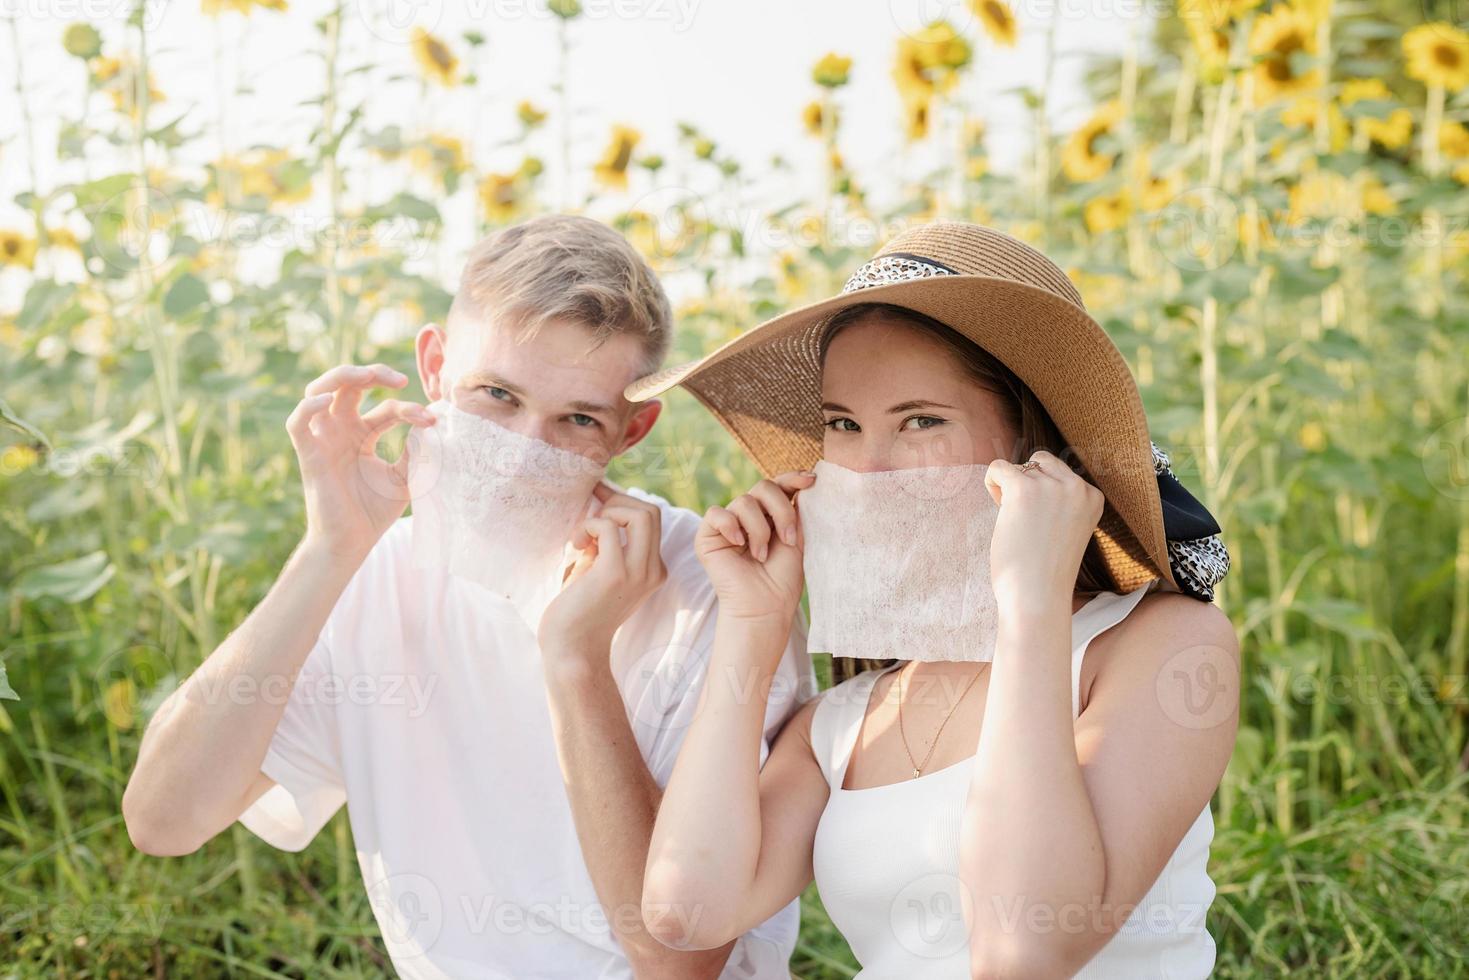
644,533
298,423
608,539
387,414
355,376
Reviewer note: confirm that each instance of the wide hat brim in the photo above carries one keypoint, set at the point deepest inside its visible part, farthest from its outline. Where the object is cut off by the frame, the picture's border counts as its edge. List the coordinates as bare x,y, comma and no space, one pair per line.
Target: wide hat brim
764,386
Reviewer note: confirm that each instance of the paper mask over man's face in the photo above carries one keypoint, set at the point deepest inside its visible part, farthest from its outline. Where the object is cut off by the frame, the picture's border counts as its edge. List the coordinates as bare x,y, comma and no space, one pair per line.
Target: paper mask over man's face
494,506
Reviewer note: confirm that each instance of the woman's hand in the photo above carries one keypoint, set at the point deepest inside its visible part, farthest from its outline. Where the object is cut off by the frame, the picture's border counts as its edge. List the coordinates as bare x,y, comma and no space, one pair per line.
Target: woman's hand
1047,516
752,550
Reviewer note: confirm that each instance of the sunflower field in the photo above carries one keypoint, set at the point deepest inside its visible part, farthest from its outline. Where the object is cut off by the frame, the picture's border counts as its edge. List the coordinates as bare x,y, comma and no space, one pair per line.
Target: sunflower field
1267,209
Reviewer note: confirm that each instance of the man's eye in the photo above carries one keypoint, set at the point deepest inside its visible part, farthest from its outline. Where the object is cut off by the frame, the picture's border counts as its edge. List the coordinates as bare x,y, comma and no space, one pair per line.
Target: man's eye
842,424
582,421
499,393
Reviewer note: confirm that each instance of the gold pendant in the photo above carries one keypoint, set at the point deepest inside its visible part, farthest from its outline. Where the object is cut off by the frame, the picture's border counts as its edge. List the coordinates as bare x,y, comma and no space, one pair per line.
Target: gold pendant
915,773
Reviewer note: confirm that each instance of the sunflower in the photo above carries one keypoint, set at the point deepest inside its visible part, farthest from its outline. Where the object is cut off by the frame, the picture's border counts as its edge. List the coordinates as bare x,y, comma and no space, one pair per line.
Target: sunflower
1279,41
915,118
119,79
529,114
928,62
1104,213
791,279
439,64
816,115
268,173
1391,131
1154,190
1306,110
441,156
82,41
63,238
611,170
1453,140
1438,54
998,20
832,71
500,197
16,249
1086,155
1375,197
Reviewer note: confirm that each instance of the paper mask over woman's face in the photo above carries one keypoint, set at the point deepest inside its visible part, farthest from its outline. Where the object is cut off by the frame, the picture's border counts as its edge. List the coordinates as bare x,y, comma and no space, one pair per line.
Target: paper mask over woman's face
897,563
898,525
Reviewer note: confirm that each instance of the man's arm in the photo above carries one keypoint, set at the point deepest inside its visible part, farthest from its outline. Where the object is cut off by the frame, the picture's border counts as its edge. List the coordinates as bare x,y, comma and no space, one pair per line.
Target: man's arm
199,763
614,798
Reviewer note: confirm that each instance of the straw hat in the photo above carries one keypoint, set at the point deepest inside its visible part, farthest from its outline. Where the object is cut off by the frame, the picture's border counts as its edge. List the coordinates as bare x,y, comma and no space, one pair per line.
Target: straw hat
765,385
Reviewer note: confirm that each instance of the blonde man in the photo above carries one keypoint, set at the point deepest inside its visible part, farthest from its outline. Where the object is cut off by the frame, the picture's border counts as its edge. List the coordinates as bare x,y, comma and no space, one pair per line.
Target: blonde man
501,776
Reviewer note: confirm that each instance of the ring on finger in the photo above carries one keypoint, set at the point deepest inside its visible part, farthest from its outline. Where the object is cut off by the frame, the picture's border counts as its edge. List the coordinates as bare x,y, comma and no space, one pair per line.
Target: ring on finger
1030,464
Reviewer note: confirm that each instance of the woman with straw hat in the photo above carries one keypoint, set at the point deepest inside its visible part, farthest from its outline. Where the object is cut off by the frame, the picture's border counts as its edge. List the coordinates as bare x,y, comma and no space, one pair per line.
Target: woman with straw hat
1036,697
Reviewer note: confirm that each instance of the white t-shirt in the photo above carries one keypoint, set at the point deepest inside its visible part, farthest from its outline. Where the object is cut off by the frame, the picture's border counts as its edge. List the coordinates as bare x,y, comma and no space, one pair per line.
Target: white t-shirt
423,708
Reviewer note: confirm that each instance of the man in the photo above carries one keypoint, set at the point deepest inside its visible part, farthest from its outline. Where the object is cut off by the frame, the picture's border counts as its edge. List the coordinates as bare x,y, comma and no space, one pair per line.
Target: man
501,775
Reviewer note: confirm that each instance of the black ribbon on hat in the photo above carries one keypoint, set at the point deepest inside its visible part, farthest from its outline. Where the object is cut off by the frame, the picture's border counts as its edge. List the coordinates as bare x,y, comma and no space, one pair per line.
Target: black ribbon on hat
1195,552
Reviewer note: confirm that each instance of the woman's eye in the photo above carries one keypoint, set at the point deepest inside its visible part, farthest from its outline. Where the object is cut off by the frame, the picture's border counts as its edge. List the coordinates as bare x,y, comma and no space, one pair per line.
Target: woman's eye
582,421
922,422
841,424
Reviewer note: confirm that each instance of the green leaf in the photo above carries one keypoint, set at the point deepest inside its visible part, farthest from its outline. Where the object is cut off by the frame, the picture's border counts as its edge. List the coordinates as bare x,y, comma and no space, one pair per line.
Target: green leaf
187,294
70,581
8,416
6,691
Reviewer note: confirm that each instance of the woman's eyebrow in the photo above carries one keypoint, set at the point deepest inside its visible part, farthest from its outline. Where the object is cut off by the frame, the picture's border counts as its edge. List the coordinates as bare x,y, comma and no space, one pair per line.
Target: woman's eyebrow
919,403
834,407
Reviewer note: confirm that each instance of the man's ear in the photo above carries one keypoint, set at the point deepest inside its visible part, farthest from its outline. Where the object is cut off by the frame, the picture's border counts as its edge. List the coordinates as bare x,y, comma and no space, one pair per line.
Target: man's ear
639,424
429,349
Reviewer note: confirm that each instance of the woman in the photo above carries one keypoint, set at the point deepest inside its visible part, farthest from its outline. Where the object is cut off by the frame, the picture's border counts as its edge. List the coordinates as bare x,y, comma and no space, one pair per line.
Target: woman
1041,808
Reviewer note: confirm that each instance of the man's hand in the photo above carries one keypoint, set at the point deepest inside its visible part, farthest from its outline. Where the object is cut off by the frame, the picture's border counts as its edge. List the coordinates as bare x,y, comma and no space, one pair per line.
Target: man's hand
619,566
352,496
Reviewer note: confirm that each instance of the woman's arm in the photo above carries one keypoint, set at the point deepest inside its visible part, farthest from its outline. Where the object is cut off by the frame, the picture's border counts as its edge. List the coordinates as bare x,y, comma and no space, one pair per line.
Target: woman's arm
732,842
1067,825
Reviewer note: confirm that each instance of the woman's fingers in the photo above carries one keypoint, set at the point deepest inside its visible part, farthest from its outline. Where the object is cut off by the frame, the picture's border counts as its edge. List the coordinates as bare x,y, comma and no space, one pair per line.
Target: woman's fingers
726,525
777,503
754,522
795,480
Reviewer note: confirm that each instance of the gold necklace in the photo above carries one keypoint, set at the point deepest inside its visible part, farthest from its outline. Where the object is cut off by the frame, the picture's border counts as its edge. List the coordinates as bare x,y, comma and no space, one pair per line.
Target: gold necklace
918,766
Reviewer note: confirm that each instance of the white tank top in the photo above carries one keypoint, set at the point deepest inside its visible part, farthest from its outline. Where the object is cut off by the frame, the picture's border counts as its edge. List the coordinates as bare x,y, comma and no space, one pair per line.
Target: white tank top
894,893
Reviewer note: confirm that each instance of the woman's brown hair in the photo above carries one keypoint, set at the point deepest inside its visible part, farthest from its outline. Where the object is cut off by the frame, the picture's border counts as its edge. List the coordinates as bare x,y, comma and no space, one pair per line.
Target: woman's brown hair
1026,416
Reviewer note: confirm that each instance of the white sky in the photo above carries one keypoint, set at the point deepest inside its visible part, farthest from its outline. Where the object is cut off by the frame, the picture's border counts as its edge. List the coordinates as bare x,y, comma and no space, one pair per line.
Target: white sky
738,69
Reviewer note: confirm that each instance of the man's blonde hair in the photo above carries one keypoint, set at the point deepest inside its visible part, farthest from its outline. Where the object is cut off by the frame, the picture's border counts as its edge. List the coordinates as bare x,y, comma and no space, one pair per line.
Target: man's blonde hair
562,266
